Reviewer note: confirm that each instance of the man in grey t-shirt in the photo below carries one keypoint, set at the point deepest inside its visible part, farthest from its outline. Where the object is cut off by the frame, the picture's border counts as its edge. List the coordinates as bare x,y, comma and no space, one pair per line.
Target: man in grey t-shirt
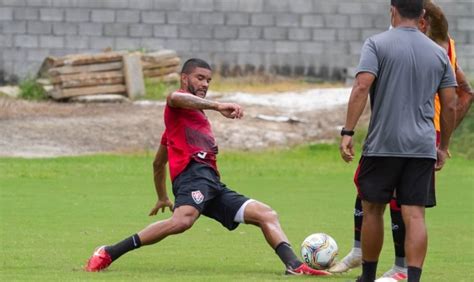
402,69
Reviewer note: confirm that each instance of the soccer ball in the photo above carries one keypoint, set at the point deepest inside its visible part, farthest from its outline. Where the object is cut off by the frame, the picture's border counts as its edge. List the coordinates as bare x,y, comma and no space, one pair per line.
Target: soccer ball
319,250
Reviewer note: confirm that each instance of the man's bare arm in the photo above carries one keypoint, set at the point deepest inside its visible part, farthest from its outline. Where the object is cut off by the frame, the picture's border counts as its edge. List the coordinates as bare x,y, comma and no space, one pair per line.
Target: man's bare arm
465,96
159,177
447,98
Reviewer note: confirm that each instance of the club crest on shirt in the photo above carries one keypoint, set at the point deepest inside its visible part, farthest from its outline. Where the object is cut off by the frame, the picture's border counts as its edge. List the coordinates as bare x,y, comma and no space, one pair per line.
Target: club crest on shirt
198,197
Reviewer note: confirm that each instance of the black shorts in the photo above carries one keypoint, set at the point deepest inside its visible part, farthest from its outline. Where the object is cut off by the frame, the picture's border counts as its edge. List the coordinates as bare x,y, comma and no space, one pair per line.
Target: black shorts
199,186
412,180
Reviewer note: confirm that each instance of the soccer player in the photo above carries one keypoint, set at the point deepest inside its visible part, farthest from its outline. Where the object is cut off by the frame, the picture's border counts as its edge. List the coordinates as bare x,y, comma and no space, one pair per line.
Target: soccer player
189,145
435,25
399,154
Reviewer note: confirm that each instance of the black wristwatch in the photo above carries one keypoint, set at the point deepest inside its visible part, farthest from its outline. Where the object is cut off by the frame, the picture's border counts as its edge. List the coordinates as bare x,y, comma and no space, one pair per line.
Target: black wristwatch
347,132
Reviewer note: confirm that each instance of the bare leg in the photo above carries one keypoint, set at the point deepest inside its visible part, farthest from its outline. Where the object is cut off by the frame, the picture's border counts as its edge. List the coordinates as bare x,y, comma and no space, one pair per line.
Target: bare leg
416,235
183,218
266,218
372,230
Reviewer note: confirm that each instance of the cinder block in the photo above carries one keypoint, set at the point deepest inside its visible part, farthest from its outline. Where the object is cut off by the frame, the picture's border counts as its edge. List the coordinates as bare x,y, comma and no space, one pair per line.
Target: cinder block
288,20
127,16
211,18
299,34
115,29
6,14
197,31
237,19
25,14
65,28
225,32
226,5
126,43
79,42
325,7
212,46
51,42
381,21
165,31
153,17
117,4
366,33
286,47
38,3
250,6
276,6
352,34
90,29
140,30
12,27
100,43
27,41
250,32
179,18
103,16
6,40
355,47
77,15
360,21
12,3
54,15
166,5
14,54
197,5
37,54
302,6
264,46
313,20
253,59
350,8
275,33
142,5
152,43
336,21
466,24
239,46
262,20
179,45
311,48
336,48
324,34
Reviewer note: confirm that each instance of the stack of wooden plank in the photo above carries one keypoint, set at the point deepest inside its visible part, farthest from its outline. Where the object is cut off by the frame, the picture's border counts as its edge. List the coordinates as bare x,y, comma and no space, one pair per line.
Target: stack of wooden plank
114,72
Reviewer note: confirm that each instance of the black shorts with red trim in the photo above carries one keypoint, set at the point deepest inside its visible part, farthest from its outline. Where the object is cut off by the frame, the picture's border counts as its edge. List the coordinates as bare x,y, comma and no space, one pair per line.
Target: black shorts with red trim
199,186
411,179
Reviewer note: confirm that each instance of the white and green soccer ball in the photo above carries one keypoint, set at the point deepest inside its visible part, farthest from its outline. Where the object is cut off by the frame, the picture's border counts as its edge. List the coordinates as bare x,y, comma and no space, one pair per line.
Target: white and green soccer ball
319,250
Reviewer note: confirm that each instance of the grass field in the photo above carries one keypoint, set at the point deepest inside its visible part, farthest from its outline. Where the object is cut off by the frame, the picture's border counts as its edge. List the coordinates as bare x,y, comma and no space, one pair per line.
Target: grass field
54,212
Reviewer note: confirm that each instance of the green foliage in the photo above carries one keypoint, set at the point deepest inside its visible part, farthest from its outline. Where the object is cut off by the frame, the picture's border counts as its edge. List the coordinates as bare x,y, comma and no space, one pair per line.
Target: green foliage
158,90
463,139
31,90
54,212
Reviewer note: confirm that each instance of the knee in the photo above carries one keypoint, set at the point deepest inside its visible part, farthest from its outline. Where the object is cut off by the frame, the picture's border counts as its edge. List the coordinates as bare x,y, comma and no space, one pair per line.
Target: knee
181,224
268,216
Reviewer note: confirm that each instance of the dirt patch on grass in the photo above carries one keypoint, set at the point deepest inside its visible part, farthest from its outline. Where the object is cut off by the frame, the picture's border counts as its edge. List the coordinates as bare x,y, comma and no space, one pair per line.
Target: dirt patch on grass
48,129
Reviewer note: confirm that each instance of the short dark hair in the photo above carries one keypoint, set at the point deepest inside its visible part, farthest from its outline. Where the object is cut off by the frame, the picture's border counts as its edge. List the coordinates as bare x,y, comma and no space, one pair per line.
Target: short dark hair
409,9
193,63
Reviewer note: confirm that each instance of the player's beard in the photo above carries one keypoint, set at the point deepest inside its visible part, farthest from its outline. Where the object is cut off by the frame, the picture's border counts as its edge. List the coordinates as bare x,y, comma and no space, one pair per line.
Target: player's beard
200,93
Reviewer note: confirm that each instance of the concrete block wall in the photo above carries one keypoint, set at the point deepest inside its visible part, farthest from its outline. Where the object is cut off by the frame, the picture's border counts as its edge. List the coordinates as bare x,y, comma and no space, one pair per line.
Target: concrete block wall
291,37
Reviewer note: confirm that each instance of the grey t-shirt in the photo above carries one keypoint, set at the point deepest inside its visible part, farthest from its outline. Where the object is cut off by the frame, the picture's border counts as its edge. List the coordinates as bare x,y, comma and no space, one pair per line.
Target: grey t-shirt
409,69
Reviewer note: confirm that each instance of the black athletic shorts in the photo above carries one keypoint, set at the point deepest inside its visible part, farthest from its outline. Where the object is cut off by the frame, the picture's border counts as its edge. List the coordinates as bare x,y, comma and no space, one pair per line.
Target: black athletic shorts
199,186
412,180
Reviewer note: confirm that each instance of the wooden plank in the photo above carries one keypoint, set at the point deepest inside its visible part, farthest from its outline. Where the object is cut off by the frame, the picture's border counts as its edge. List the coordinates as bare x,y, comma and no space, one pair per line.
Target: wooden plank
156,57
85,59
160,71
132,67
172,77
85,68
164,63
59,93
76,80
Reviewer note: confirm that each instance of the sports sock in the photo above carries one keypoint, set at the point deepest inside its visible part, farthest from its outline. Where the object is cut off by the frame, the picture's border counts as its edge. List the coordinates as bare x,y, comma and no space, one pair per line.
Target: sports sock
287,256
414,274
358,216
398,233
369,269
129,244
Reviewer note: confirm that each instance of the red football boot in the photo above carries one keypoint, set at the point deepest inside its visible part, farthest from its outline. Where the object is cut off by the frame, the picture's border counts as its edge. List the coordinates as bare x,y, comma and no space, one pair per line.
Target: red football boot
100,260
303,269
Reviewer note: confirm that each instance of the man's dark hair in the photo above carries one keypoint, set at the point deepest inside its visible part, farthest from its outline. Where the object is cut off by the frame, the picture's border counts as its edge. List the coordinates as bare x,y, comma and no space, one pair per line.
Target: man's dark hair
193,63
409,9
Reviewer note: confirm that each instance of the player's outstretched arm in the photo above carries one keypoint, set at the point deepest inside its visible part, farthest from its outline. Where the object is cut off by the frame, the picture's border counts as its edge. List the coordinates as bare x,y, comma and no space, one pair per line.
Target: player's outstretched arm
189,101
465,95
159,177
357,102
